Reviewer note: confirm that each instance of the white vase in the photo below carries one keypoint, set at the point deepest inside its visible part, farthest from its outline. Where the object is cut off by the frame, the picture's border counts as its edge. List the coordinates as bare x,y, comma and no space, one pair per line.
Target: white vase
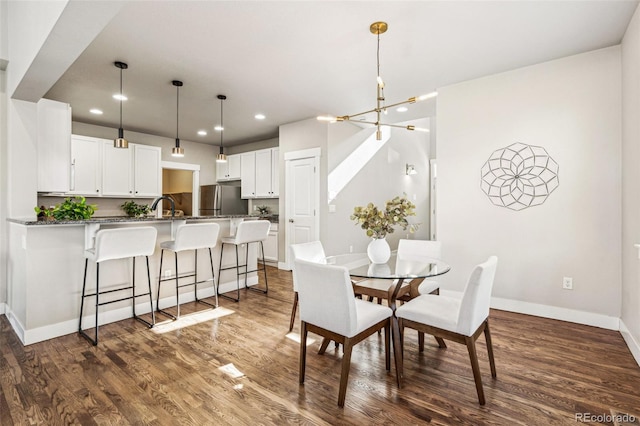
378,250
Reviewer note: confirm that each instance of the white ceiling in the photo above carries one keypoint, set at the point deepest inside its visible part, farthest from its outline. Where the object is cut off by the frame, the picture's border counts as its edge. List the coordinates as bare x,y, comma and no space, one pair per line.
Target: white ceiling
293,60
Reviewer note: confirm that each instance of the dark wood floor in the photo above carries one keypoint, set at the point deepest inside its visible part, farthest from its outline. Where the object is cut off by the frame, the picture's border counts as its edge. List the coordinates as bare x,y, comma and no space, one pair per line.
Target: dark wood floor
547,371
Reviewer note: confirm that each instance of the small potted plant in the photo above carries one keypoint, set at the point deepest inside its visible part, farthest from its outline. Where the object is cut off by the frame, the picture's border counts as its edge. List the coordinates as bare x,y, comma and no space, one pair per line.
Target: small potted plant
379,222
263,210
75,208
44,213
134,209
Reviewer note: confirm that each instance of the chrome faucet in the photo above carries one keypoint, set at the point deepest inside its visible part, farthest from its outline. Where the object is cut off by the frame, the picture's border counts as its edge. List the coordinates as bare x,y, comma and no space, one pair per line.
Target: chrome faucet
173,204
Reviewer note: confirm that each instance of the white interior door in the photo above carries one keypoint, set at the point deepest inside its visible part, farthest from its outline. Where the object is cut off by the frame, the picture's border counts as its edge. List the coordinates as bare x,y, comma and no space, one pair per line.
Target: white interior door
302,202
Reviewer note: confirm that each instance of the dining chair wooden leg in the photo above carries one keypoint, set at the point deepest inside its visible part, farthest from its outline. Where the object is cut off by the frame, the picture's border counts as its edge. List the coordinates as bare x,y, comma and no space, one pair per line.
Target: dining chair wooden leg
487,336
441,343
344,375
471,347
387,345
303,349
293,310
324,345
397,348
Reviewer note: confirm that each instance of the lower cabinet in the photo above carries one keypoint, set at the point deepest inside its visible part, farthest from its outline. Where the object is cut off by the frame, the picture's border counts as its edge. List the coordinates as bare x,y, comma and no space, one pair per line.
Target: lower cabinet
271,245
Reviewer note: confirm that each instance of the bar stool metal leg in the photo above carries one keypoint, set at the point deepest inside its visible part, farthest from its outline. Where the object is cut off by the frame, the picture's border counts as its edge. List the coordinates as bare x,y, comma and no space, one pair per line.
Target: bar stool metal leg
220,269
264,269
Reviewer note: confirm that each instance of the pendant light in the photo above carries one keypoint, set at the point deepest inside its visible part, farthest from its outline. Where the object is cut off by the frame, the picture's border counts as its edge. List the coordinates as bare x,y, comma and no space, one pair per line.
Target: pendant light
221,158
121,142
177,151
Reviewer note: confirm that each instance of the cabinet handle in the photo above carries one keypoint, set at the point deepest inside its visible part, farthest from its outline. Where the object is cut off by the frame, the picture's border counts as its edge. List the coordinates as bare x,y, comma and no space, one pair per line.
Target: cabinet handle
130,192
97,190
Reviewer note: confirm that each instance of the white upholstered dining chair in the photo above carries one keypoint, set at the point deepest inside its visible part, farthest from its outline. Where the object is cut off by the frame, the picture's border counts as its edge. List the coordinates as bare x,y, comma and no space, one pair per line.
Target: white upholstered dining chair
461,320
328,308
312,252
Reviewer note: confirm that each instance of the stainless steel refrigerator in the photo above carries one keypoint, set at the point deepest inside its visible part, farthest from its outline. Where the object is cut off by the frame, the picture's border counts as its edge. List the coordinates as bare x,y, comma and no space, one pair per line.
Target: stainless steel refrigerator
221,200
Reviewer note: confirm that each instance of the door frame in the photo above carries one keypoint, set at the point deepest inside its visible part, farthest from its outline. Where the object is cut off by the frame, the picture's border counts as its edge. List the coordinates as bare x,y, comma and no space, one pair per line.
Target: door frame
195,183
315,154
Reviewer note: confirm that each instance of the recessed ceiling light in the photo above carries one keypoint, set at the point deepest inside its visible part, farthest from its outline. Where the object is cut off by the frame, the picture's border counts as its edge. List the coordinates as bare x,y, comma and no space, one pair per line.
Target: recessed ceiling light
95,111
218,128
202,132
120,97
402,109
260,117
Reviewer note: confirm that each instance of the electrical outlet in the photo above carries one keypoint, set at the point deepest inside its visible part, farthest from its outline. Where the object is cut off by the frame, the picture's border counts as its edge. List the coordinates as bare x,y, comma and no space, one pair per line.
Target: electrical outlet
567,283
350,249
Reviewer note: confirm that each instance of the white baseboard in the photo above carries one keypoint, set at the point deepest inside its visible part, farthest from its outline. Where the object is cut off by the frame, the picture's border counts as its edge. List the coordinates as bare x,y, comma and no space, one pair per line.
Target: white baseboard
554,312
3,308
283,265
632,343
35,335
546,311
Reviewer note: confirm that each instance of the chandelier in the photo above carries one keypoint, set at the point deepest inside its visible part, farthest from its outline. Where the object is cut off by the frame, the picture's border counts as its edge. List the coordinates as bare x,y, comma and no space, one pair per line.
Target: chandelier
378,28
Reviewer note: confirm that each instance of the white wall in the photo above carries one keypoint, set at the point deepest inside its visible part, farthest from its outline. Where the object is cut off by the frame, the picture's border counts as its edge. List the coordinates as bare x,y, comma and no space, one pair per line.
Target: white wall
298,136
29,25
380,179
630,319
4,188
571,107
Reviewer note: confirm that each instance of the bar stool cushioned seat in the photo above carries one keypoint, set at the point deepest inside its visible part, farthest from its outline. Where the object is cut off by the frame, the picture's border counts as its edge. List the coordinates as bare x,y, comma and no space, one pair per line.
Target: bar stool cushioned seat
120,243
250,231
190,236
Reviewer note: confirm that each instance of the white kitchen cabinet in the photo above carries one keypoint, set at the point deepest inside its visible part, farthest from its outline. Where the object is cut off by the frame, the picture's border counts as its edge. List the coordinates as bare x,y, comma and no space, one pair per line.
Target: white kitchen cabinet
271,244
54,146
275,172
147,171
248,174
86,166
266,166
229,170
99,169
117,170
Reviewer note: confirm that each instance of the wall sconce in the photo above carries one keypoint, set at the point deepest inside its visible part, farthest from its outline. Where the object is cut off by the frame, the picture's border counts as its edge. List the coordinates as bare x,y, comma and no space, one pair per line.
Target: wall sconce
410,169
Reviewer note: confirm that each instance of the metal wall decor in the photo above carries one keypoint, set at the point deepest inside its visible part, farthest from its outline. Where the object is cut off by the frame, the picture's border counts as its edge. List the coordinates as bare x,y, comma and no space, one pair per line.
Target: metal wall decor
519,176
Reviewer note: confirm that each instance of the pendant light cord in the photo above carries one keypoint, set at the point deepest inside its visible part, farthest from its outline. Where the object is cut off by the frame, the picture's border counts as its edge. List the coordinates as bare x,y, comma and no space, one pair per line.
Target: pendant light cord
177,109
221,121
121,98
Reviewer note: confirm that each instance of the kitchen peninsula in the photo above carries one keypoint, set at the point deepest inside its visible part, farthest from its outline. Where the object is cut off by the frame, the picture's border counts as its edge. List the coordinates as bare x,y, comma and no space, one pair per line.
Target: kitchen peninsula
46,261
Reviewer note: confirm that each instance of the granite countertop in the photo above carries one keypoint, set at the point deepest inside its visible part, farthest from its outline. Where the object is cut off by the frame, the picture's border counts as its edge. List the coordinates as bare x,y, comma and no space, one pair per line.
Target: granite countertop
122,219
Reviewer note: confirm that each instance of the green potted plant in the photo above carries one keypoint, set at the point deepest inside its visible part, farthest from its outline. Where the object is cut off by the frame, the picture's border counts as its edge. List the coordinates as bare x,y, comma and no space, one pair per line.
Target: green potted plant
379,222
134,209
75,208
44,213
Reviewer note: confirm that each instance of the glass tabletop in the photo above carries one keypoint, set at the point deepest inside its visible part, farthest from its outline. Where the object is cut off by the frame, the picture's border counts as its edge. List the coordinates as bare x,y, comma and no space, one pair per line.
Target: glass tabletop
360,266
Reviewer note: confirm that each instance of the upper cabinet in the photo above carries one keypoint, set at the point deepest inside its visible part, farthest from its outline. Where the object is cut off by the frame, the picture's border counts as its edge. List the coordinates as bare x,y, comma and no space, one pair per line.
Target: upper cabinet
248,174
86,166
261,180
231,170
267,176
147,171
117,168
99,169
54,145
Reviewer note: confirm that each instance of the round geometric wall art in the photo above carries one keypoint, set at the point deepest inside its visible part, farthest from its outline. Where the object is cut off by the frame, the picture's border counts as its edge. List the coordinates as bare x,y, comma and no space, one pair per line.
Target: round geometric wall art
519,176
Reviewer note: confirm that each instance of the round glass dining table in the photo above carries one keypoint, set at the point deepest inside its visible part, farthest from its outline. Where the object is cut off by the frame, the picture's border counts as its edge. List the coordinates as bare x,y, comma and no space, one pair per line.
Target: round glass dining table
398,278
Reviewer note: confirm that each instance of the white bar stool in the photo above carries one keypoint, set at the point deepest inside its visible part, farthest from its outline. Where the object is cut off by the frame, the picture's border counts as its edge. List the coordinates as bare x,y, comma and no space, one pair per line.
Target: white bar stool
251,231
113,244
192,236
